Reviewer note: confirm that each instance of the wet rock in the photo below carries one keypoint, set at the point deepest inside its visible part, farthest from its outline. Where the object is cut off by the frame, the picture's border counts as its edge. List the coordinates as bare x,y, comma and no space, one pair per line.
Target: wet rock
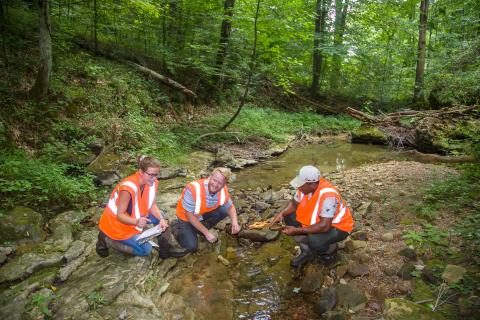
273,260
363,210
358,269
312,281
261,206
408,253
405,271
169,173
222,225
21,223
96,146
270,196
389,270
341,270
360,235
453,274
106,178
352,245
4,252
350,297
27,264
403,287
327,301
367,134
14,299
387,237
259,235
401,309
75,250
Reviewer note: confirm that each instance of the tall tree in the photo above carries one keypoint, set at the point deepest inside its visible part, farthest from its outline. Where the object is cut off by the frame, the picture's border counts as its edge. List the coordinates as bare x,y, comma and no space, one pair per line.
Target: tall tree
225,34
4,41
418,92
341,9
250,73
95,25
319,40
40,88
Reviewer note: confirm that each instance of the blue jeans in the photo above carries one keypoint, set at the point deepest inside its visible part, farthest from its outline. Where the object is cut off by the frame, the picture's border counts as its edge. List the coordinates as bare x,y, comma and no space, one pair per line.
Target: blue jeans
143,249
186,234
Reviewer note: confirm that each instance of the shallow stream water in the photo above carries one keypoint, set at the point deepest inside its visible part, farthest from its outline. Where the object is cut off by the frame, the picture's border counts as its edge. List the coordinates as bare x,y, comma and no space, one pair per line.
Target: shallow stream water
259,278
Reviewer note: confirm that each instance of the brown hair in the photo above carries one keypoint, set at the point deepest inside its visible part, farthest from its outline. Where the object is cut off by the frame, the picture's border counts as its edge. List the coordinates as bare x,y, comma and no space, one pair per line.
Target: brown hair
145,162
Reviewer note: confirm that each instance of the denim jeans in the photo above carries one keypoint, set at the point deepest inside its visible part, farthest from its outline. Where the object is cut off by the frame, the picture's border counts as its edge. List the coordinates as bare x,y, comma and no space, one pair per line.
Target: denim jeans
318,241
143,249
187,235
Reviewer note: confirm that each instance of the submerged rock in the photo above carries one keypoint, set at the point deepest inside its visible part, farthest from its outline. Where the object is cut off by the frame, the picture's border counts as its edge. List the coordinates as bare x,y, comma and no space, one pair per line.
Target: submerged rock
259,235
327,301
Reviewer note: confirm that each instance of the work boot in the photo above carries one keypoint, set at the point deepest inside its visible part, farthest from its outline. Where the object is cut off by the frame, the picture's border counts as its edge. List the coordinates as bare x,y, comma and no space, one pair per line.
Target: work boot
306,255
119,246
165,248
101,246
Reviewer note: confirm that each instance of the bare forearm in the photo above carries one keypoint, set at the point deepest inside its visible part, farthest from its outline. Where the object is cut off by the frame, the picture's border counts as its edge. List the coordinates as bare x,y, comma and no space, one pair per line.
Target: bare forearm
289,209
196,223
126,219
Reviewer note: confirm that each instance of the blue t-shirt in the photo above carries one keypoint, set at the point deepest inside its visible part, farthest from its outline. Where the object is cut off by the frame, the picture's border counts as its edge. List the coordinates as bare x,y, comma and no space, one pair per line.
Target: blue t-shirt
188,203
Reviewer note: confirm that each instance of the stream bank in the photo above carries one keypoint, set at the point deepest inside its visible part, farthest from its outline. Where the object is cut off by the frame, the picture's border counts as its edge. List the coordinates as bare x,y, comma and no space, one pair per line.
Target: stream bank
63,276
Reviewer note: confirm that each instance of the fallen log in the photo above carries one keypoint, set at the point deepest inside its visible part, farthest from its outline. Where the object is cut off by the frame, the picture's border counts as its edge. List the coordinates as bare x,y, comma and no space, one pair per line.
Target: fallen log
360,115
163,79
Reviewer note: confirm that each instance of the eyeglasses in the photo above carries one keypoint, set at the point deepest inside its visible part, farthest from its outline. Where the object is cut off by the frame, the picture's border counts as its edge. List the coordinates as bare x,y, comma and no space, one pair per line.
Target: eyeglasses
153,175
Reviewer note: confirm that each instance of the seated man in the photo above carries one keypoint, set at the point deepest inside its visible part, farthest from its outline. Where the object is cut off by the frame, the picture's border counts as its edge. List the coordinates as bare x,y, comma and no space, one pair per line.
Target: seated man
317,217
203,204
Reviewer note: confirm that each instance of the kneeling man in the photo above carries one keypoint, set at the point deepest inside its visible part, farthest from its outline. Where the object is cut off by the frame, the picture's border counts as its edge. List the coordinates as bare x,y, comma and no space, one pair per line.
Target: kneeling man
317,217
203,204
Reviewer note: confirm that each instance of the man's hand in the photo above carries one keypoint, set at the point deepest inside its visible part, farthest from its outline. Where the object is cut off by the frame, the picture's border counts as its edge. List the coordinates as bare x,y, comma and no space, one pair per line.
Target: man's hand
163,224
276,219
210,237
142,222
235,228
291,231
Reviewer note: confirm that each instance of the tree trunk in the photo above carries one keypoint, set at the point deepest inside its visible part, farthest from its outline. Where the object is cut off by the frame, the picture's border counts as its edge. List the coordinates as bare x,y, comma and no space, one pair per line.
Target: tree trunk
224,35
40,88
340,20
318,41
418,93
4,40
250,73
95,22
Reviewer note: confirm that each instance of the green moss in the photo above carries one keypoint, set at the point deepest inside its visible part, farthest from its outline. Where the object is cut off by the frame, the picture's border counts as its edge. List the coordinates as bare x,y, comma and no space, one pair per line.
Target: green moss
366,134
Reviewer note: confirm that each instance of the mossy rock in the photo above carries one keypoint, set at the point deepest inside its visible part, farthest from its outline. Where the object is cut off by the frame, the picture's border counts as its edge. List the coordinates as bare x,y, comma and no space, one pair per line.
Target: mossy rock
369,135
422,291
401,309
21,223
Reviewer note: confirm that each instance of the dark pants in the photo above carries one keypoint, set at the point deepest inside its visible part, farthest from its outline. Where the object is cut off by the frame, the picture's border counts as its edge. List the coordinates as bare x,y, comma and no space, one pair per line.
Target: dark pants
186,234
318,242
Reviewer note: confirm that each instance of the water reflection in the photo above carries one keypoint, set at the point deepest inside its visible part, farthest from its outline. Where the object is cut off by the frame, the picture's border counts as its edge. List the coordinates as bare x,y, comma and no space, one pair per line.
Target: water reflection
334,157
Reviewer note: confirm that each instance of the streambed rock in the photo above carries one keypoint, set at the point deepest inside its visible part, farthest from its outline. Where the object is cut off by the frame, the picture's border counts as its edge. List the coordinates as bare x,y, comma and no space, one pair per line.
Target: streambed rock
28,263
21,223
350,297
264,235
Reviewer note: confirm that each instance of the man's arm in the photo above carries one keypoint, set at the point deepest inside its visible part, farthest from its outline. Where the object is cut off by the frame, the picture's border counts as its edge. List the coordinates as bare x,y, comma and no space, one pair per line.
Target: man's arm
200,227
323,226
290,208
232,212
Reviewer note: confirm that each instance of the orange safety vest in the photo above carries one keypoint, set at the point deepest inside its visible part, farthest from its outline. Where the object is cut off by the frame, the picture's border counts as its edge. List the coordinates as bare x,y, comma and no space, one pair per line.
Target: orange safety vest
308,209
141,204
197,189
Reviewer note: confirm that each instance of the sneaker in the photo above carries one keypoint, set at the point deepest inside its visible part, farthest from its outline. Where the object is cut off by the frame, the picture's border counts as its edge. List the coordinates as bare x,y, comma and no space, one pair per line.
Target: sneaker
303,258
101,246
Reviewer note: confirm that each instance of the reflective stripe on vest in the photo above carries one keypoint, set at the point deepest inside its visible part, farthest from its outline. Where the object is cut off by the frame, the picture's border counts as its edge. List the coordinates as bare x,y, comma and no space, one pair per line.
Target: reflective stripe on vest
136,210
198,197
313,219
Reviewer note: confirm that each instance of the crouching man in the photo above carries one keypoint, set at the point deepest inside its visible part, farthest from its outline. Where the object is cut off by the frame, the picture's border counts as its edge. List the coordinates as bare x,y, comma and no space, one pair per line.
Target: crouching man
317,217
203,204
